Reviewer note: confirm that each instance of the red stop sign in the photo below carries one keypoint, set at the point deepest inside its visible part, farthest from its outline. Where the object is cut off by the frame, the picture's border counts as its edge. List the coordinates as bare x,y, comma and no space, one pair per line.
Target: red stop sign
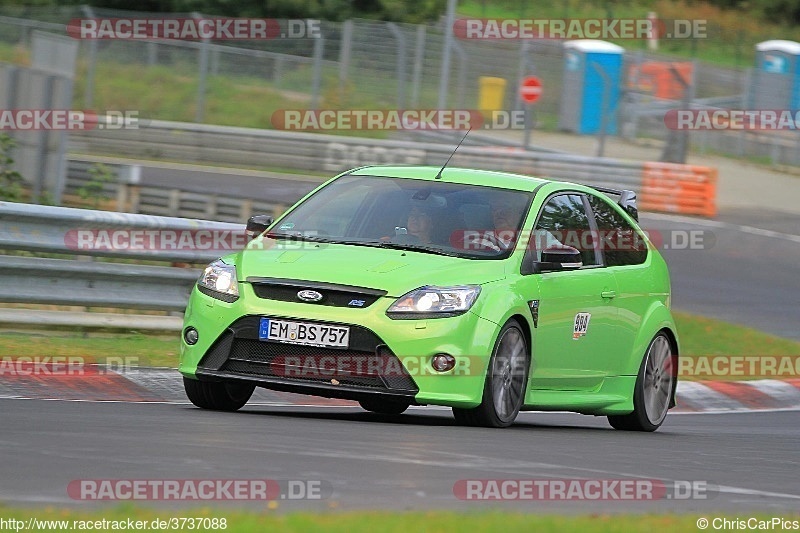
531,89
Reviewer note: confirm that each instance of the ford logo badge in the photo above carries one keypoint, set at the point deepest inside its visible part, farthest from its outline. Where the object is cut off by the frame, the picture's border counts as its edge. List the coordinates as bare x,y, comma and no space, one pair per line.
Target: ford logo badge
309,296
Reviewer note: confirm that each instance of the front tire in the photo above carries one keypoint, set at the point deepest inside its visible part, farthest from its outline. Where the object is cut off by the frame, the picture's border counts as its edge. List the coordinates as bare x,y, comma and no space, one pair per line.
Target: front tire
217,395
383,407
652,393
504,389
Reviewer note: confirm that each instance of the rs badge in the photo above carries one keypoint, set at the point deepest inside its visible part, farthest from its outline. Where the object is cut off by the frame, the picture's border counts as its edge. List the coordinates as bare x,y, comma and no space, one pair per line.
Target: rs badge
581,325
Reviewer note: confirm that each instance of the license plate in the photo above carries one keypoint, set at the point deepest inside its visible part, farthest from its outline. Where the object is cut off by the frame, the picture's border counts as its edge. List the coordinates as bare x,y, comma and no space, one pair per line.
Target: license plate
322,335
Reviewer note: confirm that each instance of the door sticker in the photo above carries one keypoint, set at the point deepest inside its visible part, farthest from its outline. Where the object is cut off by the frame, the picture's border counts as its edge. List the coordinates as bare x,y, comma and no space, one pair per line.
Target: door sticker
581,325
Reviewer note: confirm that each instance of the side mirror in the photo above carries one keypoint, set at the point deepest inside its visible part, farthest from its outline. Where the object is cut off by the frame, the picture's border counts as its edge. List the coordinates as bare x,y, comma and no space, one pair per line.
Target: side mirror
257,224
556,258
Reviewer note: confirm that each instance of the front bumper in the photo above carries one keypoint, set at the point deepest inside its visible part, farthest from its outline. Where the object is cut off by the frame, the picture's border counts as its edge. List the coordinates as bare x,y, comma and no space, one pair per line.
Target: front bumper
229,349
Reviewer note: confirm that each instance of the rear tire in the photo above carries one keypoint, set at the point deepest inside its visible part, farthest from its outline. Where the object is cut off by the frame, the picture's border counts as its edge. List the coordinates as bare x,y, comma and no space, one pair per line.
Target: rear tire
217,395
652,393
383,407
506,378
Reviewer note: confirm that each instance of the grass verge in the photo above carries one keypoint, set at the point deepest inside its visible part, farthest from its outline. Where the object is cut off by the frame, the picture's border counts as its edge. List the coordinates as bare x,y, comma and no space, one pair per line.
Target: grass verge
431,521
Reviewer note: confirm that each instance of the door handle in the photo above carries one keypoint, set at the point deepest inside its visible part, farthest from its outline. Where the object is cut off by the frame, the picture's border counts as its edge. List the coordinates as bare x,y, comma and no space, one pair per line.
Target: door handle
608,294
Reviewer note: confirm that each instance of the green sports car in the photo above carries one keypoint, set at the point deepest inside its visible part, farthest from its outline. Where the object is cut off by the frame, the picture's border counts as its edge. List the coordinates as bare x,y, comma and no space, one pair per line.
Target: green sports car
483,291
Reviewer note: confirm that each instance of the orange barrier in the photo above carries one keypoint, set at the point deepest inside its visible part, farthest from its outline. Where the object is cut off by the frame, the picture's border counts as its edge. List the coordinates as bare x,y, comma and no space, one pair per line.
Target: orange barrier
662,79
674,188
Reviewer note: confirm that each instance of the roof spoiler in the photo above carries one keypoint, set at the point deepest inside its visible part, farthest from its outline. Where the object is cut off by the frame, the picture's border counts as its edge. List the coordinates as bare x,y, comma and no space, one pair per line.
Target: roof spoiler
627,199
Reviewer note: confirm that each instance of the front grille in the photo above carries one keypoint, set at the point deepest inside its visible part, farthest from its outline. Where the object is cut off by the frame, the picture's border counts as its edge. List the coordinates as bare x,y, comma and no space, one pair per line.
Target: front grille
367,364
285,290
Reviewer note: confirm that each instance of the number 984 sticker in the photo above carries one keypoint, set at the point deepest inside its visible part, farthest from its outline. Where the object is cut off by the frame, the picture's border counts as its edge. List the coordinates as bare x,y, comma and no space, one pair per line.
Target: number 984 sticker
581,325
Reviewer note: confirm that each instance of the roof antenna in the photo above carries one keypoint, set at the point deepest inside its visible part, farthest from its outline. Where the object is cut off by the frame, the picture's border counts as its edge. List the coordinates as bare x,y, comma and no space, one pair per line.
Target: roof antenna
439,175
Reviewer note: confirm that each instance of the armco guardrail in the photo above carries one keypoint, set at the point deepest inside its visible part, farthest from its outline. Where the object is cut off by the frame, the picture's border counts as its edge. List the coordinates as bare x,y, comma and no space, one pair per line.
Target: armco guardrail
231,146
82,281
182,190
178,141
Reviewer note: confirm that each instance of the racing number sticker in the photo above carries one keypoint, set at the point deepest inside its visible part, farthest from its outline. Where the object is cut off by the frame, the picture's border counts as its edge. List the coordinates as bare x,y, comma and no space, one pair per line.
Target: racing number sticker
581,325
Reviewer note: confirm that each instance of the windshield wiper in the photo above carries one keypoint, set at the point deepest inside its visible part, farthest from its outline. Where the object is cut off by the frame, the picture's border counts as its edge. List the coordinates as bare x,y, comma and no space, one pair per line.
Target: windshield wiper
315,238
418,248
296,237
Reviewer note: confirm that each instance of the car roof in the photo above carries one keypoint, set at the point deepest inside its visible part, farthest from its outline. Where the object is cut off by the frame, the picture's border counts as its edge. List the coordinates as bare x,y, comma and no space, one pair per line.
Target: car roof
466,176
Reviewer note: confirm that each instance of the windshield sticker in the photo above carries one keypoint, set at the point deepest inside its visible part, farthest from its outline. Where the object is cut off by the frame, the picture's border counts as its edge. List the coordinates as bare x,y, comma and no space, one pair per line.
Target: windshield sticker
287,225
581,325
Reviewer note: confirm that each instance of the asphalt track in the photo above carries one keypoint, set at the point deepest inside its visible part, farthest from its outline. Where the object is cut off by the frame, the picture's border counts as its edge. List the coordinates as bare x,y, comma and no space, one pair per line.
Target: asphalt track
365,461
740,273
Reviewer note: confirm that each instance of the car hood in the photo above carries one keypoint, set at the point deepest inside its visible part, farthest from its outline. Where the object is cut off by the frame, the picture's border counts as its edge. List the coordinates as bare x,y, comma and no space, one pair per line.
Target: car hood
391,270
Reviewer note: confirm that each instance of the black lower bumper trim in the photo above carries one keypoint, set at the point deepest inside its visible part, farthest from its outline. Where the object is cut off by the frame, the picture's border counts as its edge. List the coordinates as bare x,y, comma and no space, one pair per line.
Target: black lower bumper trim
325,390
366,367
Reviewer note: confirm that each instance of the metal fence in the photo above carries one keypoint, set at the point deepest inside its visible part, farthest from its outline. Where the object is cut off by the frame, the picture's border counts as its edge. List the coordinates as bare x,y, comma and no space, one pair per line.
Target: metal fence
371,64
125,278
357,62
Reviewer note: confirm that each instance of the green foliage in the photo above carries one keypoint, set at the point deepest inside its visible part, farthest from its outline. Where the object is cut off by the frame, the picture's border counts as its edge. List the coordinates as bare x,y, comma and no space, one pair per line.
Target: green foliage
94,190
10,180
338,10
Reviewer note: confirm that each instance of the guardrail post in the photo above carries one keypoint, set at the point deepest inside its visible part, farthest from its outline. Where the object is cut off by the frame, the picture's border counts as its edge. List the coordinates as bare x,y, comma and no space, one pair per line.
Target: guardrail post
174,203
122,198
211,207
131,190
246,210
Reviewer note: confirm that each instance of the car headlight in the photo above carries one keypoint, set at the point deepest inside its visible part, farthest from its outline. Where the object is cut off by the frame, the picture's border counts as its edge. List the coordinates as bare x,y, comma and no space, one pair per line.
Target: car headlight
219,281
434,302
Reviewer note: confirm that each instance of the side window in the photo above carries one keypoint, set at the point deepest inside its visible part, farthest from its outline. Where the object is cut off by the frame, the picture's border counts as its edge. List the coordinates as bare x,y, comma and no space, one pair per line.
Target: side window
619,240
563,221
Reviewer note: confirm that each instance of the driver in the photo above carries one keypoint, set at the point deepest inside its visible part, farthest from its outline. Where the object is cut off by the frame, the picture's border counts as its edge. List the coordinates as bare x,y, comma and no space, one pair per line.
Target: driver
506,215
420,223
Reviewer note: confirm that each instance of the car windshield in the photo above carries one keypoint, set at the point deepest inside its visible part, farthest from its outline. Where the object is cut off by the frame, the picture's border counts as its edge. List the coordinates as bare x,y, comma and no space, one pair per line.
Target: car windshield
469,221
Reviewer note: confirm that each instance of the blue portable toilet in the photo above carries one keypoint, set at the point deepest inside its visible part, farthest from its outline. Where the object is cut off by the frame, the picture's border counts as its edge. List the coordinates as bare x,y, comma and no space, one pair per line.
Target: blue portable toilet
591,85
775,83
